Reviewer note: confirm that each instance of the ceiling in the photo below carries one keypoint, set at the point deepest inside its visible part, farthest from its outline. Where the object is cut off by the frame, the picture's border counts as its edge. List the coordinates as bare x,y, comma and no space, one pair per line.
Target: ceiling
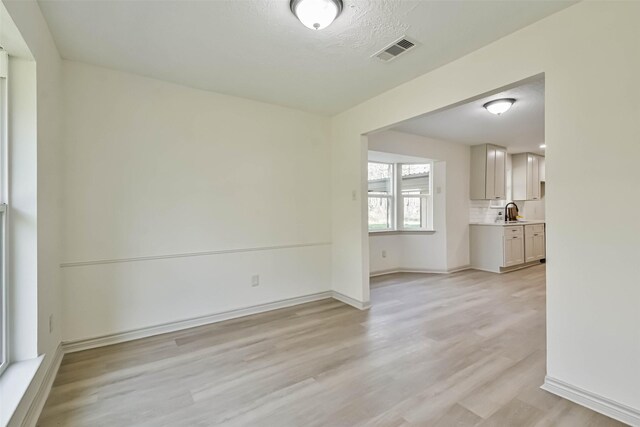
257,49
520,129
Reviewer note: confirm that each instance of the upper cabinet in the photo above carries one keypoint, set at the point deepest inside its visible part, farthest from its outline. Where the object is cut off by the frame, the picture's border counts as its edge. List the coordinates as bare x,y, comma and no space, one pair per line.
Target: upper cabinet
488,172
528,172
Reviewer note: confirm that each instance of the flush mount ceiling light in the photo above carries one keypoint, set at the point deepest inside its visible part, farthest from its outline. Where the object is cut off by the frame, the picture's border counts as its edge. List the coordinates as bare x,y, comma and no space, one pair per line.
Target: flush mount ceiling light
499,106
543,145
316,14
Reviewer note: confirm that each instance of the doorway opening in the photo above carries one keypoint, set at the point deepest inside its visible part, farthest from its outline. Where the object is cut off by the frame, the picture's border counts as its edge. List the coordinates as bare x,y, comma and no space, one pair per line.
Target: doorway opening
479,163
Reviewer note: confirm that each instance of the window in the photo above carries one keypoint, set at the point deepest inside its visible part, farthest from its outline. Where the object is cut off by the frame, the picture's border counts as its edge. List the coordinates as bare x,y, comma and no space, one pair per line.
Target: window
400,196
380,192
4,361
415,196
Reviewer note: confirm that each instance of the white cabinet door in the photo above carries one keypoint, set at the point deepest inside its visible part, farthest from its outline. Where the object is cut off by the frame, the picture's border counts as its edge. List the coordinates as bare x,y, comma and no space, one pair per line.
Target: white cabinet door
513,250
488,172
529,247
529,179
500,173
538,245
534,245
526,174
490,180
535,178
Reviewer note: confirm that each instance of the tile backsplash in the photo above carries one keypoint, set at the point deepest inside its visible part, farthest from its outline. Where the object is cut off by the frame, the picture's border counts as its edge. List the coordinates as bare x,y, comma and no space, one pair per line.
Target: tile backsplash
480,210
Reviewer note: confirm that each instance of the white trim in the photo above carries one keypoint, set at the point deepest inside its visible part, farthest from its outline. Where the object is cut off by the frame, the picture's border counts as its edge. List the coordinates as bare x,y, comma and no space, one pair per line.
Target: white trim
191,254
503,270
4,63
89,343
33,413
590,400
360,305
85,344
402,231
419,270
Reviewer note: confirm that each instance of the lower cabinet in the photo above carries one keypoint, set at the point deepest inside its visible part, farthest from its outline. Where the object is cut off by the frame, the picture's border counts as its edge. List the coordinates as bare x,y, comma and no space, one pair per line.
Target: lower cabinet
534,245
513,251
500,248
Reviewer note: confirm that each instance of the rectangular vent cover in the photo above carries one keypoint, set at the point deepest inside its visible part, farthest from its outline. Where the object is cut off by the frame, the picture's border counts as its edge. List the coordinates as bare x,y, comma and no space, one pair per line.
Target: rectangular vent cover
395,49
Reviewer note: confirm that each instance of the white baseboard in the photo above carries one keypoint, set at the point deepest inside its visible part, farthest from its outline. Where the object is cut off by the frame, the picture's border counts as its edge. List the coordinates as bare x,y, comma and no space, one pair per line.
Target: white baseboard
593,401
384,272
459,268
419,270
35,408
86,344
350,301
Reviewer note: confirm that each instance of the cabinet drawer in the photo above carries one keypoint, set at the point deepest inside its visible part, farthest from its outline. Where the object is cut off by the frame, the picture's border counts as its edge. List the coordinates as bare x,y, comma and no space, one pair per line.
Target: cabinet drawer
512,231
534,229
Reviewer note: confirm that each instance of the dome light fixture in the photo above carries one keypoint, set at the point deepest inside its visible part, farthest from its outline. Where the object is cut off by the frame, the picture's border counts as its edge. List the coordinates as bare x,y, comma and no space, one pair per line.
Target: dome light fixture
499,106
316,14
543,146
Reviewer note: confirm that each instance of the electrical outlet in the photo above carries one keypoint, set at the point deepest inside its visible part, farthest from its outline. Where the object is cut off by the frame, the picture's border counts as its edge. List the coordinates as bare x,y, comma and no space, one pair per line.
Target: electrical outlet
255,280
50,323
384,254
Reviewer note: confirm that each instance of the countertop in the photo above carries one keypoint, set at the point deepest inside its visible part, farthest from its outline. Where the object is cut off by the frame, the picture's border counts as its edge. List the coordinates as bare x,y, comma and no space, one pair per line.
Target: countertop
507,224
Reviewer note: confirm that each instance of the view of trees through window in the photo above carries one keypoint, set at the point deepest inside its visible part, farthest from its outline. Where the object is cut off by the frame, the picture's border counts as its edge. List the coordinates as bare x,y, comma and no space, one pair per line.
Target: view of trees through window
414,186
380,195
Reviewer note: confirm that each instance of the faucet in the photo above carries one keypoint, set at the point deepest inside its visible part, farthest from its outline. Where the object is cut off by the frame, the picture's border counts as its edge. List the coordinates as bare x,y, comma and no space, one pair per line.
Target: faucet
507,218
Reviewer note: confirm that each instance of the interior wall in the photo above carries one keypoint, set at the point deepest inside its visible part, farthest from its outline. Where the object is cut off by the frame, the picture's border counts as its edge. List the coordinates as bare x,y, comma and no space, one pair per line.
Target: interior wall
176,197
593,345
448,247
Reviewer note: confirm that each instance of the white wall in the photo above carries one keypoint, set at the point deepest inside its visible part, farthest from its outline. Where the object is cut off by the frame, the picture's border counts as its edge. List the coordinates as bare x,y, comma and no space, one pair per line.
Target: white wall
158,170
590,54
448,247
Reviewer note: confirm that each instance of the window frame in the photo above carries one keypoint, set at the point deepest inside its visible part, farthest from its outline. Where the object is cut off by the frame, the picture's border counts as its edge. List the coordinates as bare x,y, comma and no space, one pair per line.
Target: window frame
428,199
4,188
397,199
391,198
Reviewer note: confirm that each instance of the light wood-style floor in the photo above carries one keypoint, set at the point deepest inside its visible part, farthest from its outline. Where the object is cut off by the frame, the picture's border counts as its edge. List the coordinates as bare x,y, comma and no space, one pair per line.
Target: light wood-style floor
464,349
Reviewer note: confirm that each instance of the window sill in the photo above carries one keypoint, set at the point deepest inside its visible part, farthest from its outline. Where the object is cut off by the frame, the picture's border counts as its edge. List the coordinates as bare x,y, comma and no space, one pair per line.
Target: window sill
14,383
390,232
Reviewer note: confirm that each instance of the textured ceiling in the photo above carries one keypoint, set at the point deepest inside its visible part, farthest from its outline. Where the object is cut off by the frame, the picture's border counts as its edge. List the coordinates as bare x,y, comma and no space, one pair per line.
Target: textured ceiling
257,49
520,129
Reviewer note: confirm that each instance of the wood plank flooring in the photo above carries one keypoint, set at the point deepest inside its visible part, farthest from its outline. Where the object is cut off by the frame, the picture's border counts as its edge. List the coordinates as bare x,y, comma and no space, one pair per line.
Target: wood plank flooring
466,349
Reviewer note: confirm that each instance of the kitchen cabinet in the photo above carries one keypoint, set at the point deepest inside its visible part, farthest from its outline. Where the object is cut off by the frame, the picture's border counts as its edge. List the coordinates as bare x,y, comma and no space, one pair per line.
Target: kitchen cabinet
513,252
534,242
526,174
500,247
488,172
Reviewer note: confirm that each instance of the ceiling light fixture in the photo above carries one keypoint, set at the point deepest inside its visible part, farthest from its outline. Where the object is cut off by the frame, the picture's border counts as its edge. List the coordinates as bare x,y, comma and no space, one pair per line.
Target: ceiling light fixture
543,145
499,106
316,14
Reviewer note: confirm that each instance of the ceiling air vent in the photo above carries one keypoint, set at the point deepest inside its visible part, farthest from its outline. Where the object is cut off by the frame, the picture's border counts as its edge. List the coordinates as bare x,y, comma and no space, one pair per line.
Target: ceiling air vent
395,49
